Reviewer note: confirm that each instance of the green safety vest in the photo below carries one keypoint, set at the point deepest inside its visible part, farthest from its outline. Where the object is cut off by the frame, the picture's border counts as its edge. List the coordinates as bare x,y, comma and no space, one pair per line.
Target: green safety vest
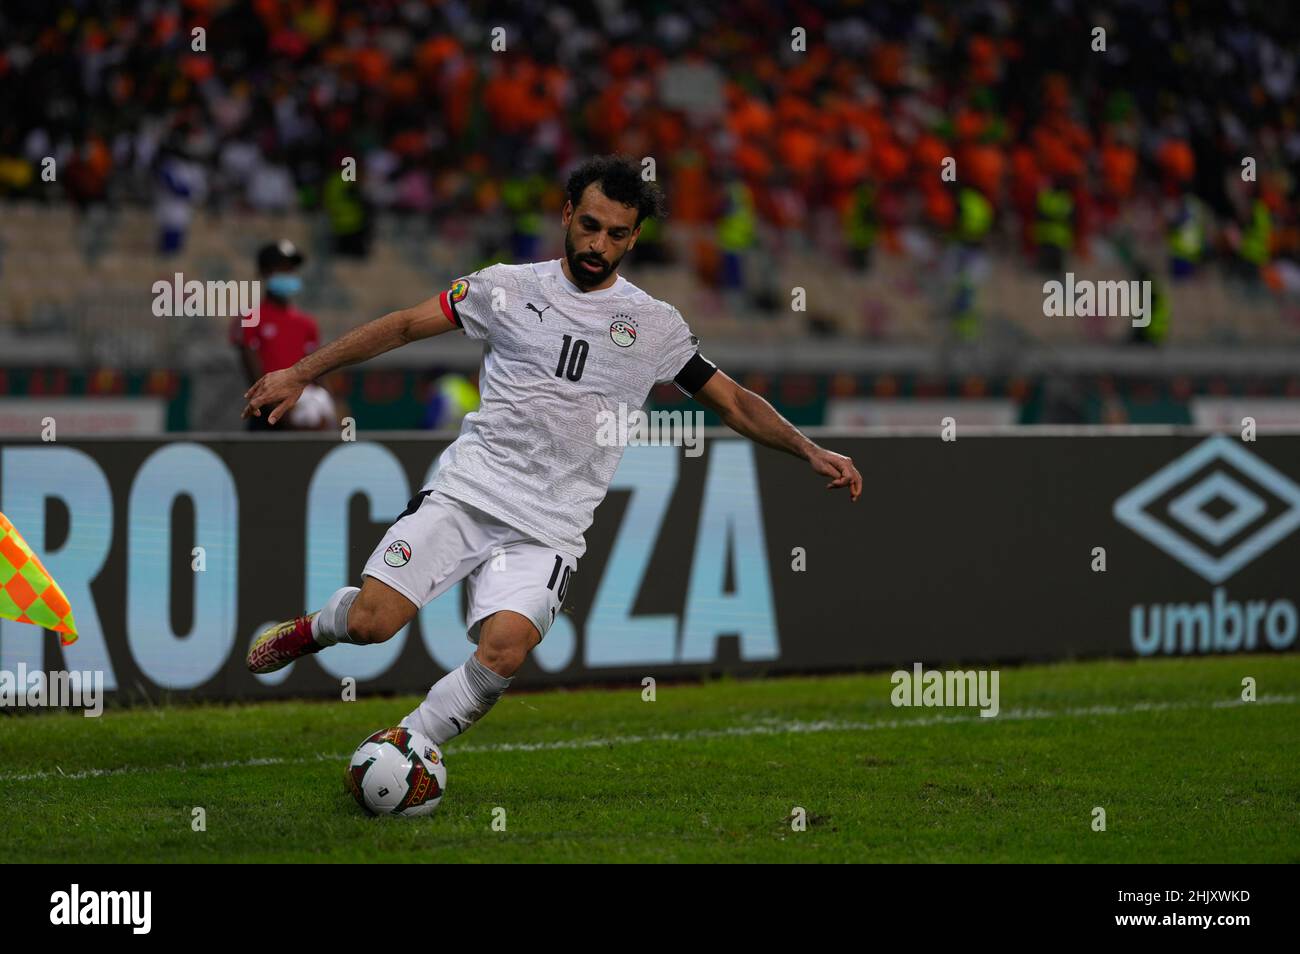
976,216
860,219
1255,244
346,213
737,229
459,392
521,197
1055,207
1158,330
650,230
1187,241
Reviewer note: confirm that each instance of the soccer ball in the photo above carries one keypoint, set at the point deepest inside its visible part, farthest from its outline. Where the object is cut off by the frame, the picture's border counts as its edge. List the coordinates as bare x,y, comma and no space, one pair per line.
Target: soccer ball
397,771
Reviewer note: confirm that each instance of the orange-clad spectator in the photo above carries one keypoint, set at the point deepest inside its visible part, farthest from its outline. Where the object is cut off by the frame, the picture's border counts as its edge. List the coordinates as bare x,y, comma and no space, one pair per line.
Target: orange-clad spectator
621,61
522,95
845,166
1055,155
403,88
983,166
970,124
436,52
270,12
372,65
748,117
1026,181
691,191
503,97
285,42
409,143
667,131
165,26
889,160
1177,164
1119,164
609,114
799,151
802,78
87,174
845,114
752,161
940,207
1075,135
768,72
458,102
1056,93
876,125
792,109
985,61
887,65
928,154
550,89
197,68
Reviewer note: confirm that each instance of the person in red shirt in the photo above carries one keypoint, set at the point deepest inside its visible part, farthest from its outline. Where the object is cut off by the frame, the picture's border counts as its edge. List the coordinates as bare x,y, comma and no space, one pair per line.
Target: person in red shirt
281,335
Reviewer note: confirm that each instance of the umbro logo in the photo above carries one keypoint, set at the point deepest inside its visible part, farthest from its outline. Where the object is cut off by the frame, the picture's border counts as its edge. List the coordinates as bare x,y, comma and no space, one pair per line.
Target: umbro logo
1214,509
533,307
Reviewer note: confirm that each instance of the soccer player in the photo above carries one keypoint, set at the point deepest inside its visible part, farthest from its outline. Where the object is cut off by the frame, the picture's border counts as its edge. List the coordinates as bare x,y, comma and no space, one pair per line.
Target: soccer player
566,341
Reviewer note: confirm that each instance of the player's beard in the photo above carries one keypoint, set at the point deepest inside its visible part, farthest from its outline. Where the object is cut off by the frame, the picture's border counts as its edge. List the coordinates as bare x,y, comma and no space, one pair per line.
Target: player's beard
581,277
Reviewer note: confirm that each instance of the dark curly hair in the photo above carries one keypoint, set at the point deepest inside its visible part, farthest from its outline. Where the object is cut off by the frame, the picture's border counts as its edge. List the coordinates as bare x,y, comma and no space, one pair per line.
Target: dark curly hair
620,179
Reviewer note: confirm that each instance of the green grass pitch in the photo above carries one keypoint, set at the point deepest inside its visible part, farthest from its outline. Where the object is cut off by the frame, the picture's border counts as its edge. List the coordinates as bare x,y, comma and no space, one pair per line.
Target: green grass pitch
708,772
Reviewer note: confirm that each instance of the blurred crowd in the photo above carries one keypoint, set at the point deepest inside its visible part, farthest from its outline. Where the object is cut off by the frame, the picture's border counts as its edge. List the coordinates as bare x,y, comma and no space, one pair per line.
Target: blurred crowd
1068,122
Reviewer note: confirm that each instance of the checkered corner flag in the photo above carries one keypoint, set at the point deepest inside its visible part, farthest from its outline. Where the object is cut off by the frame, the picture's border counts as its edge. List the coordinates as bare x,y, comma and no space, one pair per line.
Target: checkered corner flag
28,593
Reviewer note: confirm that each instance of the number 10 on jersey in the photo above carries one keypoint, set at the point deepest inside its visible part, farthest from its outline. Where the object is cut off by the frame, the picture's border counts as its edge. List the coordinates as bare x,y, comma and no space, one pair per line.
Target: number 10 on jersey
573,358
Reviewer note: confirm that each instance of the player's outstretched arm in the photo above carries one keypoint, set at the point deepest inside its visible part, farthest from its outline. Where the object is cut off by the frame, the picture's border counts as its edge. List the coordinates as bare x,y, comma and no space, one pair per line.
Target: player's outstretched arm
283,388
750,416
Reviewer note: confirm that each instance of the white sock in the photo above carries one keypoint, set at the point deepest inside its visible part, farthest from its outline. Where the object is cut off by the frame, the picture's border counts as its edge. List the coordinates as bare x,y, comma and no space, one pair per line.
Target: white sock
457,701
331,624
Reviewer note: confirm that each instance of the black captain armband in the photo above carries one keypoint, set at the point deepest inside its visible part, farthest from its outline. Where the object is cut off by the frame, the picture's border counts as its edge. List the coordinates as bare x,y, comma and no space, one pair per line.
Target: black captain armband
695,374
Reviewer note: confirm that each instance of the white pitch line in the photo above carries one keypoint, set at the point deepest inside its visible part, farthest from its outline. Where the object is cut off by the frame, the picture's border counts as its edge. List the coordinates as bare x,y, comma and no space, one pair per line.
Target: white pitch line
774,727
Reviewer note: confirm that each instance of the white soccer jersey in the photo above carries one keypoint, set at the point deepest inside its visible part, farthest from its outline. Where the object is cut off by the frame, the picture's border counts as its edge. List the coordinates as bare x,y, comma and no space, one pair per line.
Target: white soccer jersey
555,358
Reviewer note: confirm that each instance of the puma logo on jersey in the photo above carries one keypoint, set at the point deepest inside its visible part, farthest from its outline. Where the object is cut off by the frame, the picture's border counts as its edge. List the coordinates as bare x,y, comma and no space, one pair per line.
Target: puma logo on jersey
534,308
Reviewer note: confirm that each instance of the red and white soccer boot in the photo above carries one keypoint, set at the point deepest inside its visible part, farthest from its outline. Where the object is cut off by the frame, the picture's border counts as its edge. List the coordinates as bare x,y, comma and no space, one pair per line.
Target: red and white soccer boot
282,644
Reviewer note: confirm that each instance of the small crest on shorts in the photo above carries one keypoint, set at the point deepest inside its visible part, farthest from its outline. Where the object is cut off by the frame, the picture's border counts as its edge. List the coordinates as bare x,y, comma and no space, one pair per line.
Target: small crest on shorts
398,553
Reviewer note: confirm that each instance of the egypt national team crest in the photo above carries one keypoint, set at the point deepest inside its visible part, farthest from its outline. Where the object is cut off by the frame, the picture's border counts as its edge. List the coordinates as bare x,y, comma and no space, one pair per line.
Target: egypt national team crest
398,553
623,331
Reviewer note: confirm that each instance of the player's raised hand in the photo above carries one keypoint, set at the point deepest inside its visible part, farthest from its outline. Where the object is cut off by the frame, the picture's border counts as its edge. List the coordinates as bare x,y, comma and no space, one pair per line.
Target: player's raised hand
830,464
281,388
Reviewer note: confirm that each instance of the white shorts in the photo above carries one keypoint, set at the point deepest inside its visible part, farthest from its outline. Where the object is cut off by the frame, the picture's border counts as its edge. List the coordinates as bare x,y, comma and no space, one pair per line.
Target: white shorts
439,541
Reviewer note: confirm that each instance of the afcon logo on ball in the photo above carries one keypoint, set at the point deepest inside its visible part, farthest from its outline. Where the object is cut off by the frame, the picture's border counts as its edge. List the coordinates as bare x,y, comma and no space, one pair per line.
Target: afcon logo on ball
398,553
